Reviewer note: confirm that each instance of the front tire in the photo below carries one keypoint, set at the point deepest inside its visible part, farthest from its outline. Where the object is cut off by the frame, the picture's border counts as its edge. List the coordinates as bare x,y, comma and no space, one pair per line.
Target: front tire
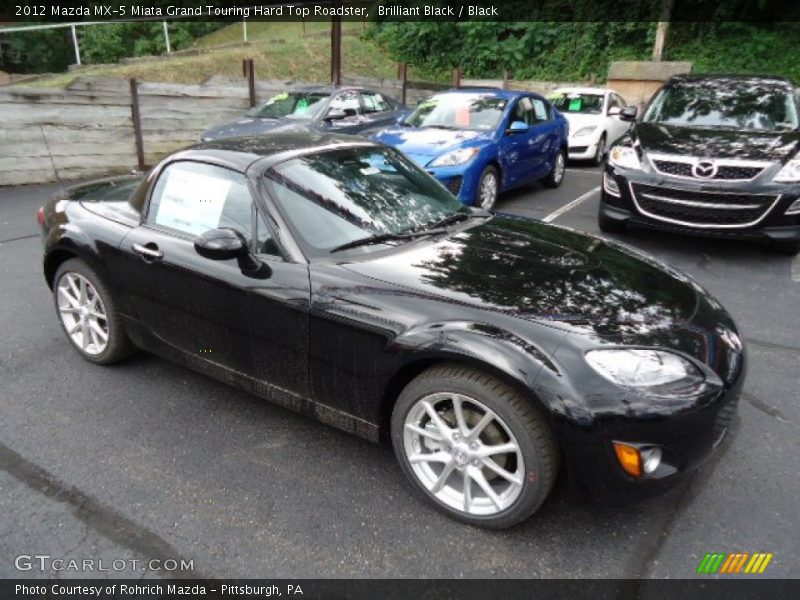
601,149
88,314
556,175
473,446
488,188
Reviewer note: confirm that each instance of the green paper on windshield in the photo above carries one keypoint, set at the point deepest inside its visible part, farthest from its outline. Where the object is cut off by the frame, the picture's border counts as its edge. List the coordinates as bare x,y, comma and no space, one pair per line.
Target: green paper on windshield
276,97
302,106
575,104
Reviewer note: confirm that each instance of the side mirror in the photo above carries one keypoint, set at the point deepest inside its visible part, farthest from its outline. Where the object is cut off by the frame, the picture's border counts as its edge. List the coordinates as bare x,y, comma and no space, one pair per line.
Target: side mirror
335,114
613,111
224,244
517,127
221,244
628,113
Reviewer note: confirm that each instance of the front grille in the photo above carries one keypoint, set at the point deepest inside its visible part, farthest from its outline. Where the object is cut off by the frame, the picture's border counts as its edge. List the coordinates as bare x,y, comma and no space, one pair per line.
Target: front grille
701,209
578,149
725,172
669,167
453,184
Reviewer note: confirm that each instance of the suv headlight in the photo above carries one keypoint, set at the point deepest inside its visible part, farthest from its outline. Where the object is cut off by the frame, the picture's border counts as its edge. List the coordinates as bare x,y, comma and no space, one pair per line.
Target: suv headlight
638,367
625,157
454,157
790,173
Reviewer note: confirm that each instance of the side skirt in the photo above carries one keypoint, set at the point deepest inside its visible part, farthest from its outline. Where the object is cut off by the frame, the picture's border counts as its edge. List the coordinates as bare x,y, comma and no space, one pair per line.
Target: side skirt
150,342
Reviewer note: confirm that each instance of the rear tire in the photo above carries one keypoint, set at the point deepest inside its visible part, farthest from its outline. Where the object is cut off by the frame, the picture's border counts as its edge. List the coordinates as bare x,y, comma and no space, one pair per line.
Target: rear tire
556,176
473,446
789,248
88,314
608,225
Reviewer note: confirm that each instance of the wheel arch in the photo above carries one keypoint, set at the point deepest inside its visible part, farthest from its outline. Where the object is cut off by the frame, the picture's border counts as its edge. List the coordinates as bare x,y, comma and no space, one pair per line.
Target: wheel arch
54,259
520,369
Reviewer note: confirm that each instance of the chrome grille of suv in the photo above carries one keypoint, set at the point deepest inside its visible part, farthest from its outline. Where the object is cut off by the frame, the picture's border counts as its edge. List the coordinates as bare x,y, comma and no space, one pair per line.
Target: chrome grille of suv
701,209
727,170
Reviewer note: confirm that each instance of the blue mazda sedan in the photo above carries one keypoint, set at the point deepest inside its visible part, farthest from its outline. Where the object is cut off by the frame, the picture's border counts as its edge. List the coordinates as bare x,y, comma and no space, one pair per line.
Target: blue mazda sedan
479,142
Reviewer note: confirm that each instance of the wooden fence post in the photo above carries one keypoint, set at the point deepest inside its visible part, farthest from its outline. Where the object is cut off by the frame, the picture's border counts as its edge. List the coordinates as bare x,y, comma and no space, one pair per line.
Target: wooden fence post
402,75
137,124
251,81
336,50
457,77
505,79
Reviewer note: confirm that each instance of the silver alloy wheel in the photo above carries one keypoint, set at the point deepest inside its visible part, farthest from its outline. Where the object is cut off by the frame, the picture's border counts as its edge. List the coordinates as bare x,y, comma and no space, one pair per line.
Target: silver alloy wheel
487,194
83,313
558,169
463,453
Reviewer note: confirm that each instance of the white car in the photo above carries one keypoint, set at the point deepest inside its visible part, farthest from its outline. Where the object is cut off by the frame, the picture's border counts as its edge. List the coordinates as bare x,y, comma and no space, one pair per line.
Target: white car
593,115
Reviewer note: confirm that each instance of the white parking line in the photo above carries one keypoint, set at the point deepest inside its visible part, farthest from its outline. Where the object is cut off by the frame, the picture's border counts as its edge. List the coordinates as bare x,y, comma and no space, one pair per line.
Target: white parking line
569,206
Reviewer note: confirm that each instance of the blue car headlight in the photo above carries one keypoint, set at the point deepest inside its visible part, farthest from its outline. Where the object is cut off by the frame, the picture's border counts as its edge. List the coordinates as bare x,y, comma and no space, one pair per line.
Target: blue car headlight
454,157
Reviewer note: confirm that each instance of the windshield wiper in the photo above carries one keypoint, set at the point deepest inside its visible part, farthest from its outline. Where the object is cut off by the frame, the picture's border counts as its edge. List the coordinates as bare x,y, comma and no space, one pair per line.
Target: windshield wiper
438,126
379,238
457,217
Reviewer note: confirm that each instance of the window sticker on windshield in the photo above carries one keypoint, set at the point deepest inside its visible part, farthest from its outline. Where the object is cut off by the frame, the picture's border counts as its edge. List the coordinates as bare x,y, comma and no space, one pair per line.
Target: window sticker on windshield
192,202
370,171
575,103
302,106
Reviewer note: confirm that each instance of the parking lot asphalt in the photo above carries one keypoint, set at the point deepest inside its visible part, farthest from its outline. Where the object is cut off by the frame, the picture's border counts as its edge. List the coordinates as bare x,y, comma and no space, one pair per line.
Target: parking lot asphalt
148,460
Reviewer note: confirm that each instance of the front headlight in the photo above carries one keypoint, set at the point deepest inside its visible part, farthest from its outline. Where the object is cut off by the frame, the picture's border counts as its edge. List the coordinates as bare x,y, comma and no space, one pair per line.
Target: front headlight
790,173
643,368
454,157
584,131
625,157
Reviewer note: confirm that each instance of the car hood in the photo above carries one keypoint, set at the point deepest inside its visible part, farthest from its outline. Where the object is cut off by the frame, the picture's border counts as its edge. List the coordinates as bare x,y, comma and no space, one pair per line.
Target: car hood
424,144
543,273
252,126
717,143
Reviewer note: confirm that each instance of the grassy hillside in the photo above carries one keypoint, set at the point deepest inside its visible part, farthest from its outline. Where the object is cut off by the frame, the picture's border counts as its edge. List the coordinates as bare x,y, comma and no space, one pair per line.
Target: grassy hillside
280,50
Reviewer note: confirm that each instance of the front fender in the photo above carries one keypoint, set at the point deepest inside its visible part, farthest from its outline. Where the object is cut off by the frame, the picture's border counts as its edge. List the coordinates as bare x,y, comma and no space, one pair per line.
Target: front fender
486,346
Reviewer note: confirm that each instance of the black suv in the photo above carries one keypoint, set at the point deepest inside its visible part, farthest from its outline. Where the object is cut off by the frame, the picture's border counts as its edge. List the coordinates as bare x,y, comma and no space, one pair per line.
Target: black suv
712,155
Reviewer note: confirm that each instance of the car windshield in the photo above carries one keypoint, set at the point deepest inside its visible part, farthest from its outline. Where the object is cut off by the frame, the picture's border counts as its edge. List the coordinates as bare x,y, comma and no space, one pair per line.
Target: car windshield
290,104
725,104
570,102
459,111
336,197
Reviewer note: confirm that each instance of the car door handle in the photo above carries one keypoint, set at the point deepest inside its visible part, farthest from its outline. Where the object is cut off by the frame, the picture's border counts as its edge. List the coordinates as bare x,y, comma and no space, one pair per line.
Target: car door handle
150,252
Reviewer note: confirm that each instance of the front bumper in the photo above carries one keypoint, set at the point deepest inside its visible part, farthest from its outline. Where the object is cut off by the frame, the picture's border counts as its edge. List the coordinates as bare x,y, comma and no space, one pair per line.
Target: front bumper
461,180
684,206
582,149
686,440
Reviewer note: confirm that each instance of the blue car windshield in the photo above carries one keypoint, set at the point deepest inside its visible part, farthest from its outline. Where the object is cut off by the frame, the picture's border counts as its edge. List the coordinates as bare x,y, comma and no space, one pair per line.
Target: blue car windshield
291,105
479,111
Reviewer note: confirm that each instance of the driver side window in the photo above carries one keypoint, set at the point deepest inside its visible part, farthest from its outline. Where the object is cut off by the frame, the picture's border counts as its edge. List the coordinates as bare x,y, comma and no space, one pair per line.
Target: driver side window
191,198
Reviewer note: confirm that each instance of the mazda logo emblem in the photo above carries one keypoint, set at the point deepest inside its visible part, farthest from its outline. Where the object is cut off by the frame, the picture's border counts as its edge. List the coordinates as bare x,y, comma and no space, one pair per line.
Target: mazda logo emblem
704,169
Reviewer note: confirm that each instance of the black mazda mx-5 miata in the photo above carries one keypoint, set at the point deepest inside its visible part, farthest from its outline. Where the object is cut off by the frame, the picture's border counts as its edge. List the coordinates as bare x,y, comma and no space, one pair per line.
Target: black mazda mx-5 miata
334,277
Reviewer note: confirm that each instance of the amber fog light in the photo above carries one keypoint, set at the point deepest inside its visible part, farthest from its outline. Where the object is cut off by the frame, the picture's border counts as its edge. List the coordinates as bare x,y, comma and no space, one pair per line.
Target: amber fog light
629,459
